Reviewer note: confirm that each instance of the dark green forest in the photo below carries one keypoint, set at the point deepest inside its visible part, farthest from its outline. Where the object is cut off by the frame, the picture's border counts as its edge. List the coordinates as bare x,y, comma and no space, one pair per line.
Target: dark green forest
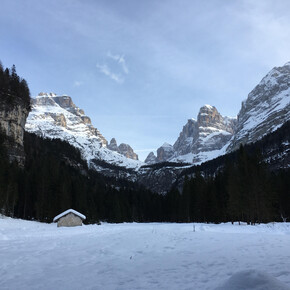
13,88
244,190
235,187
55,178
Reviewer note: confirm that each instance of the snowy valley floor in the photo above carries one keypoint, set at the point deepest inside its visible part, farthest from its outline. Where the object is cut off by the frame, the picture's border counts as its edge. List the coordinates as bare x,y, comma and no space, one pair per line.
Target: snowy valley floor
143,256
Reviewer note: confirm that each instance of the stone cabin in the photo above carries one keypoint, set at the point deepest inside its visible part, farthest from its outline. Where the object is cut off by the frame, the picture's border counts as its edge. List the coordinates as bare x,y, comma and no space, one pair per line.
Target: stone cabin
69,218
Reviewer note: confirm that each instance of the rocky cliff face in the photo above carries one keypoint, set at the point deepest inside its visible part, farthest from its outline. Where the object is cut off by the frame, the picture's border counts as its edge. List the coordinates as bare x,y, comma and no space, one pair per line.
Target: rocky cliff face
56,116
127,151
113,145
165,152
12,123
151,158
200,139
123,149
64,114
266,108
210,132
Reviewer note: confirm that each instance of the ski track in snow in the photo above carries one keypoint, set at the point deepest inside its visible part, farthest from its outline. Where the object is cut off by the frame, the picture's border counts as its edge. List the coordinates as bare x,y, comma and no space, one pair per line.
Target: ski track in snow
139,256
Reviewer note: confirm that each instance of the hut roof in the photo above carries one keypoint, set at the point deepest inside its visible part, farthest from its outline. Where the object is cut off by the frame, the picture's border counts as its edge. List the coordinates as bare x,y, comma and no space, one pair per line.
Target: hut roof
83,217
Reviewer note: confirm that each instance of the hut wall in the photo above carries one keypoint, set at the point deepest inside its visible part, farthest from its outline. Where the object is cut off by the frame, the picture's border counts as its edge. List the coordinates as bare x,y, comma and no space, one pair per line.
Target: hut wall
69,220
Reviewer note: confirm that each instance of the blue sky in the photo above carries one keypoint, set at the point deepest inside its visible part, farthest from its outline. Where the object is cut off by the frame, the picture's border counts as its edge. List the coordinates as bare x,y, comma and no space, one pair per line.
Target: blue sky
140,69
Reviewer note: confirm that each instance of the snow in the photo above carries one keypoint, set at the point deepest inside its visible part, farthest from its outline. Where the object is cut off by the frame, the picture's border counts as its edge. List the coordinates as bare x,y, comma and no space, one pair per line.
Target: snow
208,106
141,256
201,157
166,145
254,280
270,79
69,211
268,107
214,134
264,113
78,133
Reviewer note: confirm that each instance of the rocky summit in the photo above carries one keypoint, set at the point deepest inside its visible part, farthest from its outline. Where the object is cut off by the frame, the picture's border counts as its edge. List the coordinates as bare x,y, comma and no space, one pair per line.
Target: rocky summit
211,135
124,149
56,116
165,152
199,139
266,108
151,158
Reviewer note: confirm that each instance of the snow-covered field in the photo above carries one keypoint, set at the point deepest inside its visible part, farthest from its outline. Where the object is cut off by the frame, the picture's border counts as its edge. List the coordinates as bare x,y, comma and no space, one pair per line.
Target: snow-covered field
143,256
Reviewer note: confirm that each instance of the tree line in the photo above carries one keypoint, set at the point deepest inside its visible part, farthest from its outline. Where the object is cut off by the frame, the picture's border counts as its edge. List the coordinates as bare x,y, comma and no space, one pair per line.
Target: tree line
56,178
244,190
13,88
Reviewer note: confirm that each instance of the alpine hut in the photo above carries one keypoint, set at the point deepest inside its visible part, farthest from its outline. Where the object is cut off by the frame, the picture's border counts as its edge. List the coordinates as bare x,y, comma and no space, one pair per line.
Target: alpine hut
69,218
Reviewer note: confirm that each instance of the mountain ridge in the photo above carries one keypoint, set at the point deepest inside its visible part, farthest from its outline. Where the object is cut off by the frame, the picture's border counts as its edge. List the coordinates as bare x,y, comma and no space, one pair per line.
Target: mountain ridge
56,116
199,140
266,108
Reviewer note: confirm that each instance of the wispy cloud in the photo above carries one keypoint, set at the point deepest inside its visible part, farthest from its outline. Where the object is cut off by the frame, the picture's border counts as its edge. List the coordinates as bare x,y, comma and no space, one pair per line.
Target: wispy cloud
103,68
77,84
115,67
120,60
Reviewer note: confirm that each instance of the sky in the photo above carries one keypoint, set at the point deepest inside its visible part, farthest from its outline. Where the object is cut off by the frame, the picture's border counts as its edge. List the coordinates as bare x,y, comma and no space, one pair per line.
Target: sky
141,69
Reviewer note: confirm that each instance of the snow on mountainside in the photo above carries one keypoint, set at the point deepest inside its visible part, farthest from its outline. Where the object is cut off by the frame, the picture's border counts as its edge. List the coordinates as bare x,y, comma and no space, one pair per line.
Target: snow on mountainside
123,149
200,140
55,116
266,109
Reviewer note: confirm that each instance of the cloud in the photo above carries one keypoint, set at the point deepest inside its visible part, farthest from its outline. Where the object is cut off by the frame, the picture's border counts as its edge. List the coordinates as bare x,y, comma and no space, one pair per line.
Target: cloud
118,64
103,68
120,60
77,83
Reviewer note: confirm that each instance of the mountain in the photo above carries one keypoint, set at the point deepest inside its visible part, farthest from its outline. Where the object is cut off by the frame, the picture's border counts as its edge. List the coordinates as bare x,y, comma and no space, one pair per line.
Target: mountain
124,149
203,139
56,116
266,108
165,152
151,158
200,140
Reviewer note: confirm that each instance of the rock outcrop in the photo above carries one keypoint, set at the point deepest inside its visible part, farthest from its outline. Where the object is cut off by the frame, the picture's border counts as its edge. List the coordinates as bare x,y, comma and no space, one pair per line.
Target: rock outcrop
151,158
210,132
200,139
123,149
266,108
12,122
165,152
127,151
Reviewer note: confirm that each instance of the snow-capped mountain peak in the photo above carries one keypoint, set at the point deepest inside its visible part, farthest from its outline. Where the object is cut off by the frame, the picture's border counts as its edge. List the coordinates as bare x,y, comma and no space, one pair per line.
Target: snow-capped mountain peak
56,116
200,140
266,108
